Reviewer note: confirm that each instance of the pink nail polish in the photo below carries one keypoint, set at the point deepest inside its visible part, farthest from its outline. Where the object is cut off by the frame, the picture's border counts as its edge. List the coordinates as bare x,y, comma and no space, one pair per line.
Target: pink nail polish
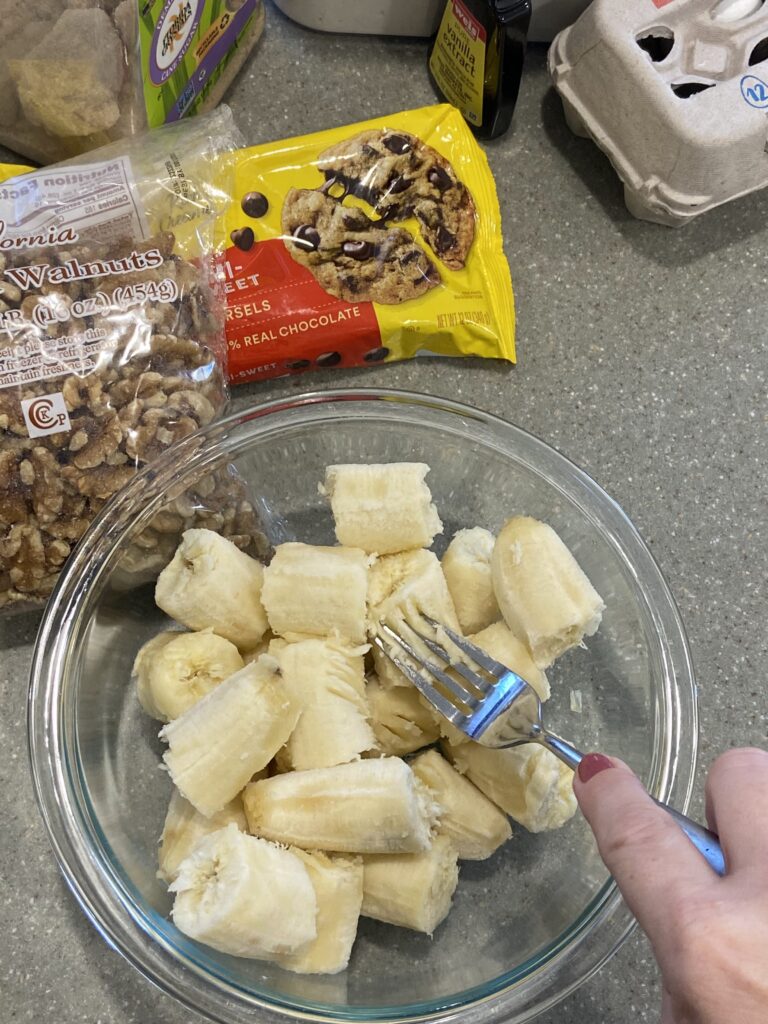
592,764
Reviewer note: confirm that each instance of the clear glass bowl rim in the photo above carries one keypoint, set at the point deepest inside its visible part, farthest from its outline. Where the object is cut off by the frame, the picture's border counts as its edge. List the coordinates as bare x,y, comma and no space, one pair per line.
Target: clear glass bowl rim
574,958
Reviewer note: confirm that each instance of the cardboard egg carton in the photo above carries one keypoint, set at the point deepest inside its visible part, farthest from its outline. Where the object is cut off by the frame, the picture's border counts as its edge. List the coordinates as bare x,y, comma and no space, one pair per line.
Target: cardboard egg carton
675,92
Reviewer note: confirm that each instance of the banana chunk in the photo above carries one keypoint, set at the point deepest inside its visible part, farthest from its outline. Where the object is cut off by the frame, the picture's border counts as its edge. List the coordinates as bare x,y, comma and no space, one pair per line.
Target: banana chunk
211,583
228,736
501,643
401,722
400,589
413,890
174,670
370,806
262,647
316,591
401,586
327,681
184,828
388,675
475,825
245,896
338,885
528,782
140,674
467,569
544,595
382,509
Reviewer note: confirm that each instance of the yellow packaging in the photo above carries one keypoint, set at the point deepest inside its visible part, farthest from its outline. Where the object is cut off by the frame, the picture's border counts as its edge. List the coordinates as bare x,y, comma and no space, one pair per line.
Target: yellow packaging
457,62
373,242
281,317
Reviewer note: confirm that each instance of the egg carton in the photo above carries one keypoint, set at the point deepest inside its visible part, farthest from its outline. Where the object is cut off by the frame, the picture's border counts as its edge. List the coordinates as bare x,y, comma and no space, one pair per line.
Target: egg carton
675,92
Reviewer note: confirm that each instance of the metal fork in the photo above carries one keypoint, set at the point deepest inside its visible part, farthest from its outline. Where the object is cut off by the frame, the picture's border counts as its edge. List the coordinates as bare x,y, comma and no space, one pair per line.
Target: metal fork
494,706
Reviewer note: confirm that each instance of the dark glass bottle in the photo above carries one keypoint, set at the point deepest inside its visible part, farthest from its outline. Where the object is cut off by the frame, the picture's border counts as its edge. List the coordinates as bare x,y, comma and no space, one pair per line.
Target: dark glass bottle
476,60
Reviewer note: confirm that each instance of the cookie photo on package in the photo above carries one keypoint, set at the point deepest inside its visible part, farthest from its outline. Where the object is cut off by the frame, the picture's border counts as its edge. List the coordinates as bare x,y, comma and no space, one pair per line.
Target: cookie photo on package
369,243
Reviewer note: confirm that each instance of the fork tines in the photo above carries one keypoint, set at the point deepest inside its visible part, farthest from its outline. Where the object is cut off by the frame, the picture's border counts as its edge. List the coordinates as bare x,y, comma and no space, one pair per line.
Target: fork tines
464,687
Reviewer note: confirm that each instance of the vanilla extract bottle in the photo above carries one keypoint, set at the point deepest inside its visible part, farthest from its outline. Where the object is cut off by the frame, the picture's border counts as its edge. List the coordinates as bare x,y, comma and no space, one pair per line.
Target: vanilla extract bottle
476,60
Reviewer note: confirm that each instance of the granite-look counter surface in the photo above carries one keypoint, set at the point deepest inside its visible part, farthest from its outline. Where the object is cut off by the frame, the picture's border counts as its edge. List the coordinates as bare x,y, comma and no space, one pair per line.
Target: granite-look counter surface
642,357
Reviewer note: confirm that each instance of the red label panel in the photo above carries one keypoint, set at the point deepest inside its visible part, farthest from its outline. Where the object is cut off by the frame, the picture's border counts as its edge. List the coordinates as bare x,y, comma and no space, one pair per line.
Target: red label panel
469,22
280,321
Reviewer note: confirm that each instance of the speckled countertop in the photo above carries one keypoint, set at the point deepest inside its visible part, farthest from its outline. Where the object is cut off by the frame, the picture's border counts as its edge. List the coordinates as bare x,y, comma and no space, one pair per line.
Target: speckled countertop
642,356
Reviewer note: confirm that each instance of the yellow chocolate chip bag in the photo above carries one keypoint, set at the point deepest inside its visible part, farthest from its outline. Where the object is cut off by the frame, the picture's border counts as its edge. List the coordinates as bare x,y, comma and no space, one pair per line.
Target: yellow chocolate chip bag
373,242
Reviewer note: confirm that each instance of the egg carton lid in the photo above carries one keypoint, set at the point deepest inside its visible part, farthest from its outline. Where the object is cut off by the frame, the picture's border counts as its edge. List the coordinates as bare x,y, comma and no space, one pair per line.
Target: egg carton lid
675,92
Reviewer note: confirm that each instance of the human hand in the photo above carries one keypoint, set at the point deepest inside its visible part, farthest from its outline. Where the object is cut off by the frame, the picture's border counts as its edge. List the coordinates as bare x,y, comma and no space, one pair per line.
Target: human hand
709,934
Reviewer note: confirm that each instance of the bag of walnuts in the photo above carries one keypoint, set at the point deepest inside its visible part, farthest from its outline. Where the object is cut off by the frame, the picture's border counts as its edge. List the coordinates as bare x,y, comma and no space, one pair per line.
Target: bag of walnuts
77,74
112,341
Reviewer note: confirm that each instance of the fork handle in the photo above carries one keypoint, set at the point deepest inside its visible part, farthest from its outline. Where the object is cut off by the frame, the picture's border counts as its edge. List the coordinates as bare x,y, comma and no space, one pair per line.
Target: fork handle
705,841
560,748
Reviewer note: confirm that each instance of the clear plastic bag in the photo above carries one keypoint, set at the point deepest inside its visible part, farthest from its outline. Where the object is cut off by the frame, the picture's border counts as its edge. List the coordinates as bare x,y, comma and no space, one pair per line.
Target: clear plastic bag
77,74
112,342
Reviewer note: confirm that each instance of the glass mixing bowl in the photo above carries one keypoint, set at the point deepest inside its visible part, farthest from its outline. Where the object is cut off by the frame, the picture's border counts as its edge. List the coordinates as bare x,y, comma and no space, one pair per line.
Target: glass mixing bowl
528,925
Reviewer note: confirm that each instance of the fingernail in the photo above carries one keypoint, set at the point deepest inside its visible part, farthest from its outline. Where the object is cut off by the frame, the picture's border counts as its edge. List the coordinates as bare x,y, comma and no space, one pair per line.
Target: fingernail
592,764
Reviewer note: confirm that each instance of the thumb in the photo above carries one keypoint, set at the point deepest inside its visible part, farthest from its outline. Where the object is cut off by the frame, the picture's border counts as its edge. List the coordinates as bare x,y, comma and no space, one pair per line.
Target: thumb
653,861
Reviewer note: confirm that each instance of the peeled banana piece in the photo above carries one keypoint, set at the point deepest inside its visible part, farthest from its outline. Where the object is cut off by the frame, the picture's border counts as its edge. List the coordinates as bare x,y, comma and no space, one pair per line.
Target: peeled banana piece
175,670
146,653
368,806
382,509
211,583
262,647
475,825
245,896
401,722
338,885
527,782
544,595
400,589
413,890
387,673
317,591
400,586
326,680
502,644
184,828
467,570
228,736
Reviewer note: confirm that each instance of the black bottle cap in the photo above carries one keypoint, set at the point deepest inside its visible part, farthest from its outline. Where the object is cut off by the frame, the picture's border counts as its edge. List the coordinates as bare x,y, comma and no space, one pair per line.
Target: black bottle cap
509,9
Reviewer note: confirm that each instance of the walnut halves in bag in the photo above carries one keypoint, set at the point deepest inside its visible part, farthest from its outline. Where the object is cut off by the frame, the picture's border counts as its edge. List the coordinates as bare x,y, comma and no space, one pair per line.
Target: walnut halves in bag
149,378
112,340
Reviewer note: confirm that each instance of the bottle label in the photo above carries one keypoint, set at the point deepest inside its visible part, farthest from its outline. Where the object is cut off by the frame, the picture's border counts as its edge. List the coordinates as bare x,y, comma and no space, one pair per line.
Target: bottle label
185,46
458,60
